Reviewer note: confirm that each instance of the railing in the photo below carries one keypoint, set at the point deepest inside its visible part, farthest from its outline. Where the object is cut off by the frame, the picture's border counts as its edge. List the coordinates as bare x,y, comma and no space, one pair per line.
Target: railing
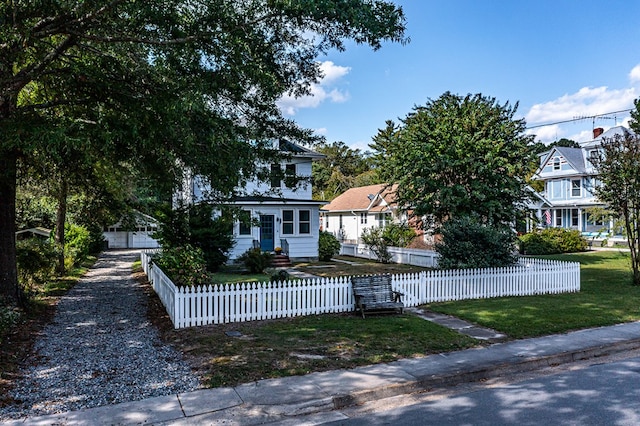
226,303
416,257
284,244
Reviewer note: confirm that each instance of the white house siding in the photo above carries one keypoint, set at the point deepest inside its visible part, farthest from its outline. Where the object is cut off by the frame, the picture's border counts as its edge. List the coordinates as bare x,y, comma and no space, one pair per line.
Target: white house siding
301,245
300,192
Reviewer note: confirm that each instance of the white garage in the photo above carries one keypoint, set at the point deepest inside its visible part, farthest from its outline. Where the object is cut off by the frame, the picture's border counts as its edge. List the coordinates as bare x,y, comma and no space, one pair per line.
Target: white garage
141,237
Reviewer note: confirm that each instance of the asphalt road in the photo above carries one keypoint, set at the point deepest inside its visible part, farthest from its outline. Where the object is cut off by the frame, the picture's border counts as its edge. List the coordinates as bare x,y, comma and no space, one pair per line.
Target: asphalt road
597,392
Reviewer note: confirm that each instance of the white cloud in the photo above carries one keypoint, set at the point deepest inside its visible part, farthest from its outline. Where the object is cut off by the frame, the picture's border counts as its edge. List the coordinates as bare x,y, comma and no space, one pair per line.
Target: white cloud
634,75
323,91
587,101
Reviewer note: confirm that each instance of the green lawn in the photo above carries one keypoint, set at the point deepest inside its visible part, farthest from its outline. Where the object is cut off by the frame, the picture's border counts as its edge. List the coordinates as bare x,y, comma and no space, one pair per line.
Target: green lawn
301,345
606,297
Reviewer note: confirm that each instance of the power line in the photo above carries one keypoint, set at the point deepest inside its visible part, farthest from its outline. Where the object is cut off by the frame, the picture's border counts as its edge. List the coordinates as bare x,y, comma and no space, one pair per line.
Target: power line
580,118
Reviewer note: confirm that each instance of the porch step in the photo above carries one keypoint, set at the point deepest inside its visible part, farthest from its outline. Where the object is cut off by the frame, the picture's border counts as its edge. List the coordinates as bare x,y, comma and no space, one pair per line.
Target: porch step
280,260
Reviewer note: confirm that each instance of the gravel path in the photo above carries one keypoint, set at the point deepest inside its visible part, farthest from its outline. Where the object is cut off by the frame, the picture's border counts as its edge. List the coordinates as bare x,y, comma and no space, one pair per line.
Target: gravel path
100,348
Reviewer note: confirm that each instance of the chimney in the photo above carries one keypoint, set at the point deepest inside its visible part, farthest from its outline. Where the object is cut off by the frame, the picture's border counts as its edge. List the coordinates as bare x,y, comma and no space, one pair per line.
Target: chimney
597,132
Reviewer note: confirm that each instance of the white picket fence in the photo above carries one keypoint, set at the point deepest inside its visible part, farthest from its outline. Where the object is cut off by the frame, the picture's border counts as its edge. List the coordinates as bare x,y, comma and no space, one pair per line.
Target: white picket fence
407,256
227,303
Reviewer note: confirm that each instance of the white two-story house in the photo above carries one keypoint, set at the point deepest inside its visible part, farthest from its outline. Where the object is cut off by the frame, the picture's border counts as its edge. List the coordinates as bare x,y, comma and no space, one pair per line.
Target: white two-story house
282,216
570,180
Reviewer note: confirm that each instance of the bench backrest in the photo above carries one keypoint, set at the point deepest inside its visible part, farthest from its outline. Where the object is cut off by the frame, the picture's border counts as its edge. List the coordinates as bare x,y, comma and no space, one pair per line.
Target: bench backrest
373,288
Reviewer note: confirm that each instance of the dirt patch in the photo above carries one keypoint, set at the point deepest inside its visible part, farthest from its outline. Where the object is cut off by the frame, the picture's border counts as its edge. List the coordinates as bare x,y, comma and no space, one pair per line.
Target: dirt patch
16,349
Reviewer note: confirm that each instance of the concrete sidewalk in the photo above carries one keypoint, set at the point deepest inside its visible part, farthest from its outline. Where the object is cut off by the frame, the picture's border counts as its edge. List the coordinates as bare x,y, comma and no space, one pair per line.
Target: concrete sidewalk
281,400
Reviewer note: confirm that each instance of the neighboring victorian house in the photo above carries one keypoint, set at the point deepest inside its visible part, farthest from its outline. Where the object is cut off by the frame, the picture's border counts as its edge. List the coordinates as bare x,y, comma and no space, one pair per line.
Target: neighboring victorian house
285,217
360,208
569,181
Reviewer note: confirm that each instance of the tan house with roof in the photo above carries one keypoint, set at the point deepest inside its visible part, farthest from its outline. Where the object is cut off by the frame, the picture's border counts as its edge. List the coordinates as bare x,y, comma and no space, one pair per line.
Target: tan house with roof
358,209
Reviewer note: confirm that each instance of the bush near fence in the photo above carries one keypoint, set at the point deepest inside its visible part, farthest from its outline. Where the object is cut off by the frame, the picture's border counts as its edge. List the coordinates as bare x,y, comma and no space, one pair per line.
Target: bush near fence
227,303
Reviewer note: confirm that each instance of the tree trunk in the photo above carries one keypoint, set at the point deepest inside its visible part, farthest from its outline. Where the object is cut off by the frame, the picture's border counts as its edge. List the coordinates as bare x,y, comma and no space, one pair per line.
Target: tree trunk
10,293
61,216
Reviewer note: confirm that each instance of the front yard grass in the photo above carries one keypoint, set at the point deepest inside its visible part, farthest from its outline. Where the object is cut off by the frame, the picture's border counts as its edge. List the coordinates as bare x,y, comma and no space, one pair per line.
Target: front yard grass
606,298
287,347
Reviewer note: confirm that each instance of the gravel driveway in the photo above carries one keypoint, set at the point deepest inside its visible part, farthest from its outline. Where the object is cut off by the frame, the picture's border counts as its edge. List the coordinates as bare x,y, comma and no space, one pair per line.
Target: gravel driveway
100,348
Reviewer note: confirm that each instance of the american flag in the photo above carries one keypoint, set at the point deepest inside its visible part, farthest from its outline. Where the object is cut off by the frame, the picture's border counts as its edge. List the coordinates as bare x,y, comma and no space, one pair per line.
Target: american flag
547,217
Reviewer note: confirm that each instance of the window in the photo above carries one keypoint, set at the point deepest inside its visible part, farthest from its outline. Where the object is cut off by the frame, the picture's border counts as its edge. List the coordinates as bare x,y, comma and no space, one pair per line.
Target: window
290,175
340,221
558,218
363,218
593,155
304,222
556,163
383,219
276,176
245,229
287,222
556,189
576,188
574,217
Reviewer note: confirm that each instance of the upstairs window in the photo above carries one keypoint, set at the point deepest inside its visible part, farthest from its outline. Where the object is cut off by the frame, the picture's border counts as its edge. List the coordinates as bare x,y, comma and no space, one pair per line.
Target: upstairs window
576,188
290,175
363,218
276,176
556,163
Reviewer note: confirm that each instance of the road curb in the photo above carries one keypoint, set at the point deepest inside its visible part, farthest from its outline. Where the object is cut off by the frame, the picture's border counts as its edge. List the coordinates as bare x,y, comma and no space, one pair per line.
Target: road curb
475,374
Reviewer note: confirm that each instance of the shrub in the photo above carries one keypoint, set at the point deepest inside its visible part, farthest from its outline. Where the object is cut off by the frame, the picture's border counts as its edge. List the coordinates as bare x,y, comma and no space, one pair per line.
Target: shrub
328,246
77,244
468,243
398,234
374,240
184,265
36,261
256,260
8,319
280,276
552,240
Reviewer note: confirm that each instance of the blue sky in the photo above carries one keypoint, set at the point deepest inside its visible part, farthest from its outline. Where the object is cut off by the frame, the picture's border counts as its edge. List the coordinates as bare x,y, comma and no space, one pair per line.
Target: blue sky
558,59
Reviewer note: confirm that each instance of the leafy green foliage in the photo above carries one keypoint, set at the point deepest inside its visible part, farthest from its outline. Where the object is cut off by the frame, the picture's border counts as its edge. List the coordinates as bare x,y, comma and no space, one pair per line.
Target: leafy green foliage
77,243
342,168
552,241
469,243
36,262
184,265
256,260
197,226
328,246
8,319
458,156
280,276
398,234
373,238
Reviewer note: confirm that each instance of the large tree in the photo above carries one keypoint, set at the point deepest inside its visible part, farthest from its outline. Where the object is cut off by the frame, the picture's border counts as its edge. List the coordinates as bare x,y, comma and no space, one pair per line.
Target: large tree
166,84
341,168
458,156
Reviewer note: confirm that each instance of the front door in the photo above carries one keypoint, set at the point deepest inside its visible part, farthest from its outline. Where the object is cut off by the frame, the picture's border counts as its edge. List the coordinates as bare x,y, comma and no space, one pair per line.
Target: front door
266,232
